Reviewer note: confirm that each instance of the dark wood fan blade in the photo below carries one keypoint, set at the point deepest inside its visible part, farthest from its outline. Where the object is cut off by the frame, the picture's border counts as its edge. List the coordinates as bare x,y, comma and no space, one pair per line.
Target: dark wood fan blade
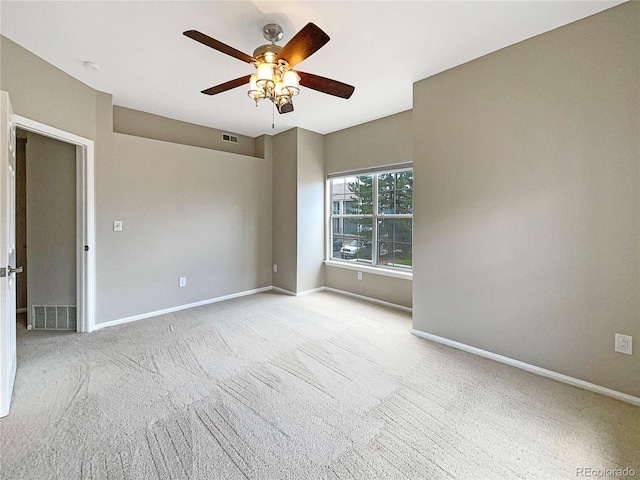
216,45
325,85
304,44
223,87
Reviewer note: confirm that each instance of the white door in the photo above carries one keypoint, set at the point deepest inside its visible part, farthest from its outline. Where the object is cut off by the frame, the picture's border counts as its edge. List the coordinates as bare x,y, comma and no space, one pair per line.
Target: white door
7,253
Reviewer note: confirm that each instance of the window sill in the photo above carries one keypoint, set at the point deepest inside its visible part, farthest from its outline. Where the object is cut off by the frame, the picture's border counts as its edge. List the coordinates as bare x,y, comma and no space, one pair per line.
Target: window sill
387,272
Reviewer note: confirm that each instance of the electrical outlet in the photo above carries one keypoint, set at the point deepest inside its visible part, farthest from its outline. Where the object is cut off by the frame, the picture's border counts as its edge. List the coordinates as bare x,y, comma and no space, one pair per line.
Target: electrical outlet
117,225
624,343
359,275
182,281
275,268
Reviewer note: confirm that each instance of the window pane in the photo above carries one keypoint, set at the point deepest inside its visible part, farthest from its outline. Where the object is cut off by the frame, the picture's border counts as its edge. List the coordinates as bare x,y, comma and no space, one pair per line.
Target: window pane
351,207
340,196
402,255
349,227
337,190
394,241
364,194
337,234
356,245
404,192
365,233
385,241
402,230
364,228
386,193
385,230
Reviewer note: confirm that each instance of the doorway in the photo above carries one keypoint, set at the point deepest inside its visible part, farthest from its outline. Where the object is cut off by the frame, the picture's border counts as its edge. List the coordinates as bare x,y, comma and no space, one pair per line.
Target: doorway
85,236
46,232
83,221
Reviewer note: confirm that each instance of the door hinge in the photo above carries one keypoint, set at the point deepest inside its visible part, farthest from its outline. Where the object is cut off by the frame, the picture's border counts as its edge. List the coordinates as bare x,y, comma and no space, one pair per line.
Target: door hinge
86,248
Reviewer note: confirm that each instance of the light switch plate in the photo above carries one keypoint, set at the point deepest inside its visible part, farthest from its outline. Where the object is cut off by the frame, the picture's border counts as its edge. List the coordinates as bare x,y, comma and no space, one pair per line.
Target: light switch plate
117,225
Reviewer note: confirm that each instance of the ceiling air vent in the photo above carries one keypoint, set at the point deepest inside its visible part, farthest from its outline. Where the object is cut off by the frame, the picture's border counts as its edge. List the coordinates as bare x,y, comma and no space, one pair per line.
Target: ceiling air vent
227,137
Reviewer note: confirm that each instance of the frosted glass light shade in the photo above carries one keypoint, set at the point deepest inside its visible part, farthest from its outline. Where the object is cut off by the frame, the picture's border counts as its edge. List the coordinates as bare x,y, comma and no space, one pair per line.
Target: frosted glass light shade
291,82
265,75
255,92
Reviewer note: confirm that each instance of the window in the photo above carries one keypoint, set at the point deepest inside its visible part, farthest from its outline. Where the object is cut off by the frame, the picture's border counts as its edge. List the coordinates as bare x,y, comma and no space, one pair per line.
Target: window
372,217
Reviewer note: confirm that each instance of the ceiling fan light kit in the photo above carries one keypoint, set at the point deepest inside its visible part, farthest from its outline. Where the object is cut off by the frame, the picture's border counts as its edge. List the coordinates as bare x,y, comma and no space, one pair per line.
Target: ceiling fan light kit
275,78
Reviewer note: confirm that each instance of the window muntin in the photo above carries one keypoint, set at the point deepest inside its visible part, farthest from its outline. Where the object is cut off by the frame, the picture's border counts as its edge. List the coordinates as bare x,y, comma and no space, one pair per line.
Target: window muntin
372,218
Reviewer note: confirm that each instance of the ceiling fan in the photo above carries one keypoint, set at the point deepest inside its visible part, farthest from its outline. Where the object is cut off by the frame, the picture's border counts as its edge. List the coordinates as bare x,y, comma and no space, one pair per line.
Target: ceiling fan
274,78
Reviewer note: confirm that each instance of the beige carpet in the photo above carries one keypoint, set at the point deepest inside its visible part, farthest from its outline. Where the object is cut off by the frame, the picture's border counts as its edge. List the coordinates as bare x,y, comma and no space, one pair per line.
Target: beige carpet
278,387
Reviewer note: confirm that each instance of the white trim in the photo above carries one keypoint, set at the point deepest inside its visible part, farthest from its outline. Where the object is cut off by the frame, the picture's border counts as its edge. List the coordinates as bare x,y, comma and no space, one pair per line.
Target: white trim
307,292
282,290
576,382
369,299
164,311
49,131
141,316
85,212
370,269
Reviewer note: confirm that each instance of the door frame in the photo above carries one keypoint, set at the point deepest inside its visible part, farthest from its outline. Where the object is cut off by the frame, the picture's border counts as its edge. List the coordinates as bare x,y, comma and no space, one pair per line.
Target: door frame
85,216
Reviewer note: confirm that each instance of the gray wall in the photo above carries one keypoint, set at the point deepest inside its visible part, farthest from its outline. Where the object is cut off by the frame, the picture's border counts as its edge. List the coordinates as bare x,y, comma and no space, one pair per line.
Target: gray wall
147,125
264,147
311,187
285,208
187,211
388,289
51,221
298,208
41,92
527,177
384,141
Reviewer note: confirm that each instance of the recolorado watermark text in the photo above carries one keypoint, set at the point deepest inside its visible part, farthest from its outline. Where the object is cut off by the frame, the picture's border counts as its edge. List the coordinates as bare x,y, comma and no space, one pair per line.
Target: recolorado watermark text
589,472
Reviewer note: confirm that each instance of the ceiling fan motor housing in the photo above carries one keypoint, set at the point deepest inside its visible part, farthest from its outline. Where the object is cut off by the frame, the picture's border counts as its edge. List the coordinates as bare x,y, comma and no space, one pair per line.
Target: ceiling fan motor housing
266,53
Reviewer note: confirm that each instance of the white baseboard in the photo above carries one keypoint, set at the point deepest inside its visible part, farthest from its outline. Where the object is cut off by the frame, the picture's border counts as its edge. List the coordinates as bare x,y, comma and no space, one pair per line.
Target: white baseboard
343,292
283,291
307,292
141,316
299,294
368,299
576,382
133,318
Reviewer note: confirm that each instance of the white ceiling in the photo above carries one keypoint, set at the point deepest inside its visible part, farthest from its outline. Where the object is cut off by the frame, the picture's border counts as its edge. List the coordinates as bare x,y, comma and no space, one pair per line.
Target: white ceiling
380,47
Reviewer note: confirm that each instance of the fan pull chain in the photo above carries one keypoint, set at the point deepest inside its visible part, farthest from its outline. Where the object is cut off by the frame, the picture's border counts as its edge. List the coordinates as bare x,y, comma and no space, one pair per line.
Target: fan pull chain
273,115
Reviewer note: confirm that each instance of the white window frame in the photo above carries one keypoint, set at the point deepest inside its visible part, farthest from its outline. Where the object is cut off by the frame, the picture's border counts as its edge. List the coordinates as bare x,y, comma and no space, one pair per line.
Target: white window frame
373,266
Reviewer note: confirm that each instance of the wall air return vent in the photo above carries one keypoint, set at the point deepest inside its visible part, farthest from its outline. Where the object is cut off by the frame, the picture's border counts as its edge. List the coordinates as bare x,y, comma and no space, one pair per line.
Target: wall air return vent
54,317
227,137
